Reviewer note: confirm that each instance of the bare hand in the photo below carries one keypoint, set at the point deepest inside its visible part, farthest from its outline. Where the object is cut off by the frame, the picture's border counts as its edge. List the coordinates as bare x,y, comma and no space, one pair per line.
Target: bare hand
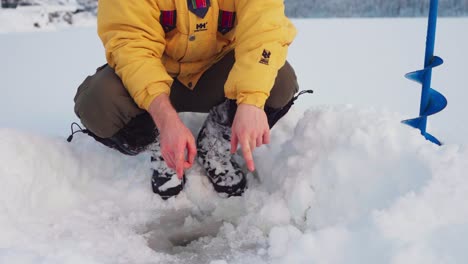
175,138
250,129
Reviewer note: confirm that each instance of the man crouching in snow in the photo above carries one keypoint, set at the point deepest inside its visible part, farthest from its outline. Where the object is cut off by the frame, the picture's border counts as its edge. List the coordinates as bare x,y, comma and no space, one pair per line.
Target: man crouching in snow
222,57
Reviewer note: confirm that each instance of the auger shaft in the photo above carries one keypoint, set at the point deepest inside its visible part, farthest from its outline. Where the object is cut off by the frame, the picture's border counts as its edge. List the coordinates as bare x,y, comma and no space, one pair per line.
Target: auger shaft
430,43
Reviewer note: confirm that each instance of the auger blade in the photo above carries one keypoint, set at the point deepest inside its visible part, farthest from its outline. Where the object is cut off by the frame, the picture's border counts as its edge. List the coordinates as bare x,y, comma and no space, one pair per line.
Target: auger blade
414,122
435,62
416,76
437,103
432,139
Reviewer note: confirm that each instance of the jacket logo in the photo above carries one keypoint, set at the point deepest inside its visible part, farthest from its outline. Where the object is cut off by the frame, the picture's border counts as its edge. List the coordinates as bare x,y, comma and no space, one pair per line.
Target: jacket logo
265,57
201,27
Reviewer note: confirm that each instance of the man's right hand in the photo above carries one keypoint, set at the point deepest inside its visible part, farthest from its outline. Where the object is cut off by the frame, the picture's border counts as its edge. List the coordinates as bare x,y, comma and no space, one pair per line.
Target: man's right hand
175,138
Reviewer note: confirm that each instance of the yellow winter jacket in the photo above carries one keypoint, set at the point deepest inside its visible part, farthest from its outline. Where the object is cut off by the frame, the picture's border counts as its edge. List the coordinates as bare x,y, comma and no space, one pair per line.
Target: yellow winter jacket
150,42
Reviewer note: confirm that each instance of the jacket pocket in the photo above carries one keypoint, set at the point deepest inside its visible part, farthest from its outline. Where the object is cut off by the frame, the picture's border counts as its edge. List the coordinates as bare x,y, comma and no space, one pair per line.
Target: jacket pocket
226,21
168,20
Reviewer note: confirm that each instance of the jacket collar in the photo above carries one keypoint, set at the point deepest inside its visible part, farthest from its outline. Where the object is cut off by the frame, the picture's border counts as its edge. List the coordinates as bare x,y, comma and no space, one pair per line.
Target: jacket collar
199,7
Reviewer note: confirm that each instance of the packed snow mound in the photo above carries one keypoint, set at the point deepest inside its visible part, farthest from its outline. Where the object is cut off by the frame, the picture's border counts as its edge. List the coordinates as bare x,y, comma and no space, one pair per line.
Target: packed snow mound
337,185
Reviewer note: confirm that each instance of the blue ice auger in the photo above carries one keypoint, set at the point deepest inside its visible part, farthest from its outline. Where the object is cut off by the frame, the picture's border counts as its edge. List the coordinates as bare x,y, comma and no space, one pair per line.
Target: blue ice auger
432,101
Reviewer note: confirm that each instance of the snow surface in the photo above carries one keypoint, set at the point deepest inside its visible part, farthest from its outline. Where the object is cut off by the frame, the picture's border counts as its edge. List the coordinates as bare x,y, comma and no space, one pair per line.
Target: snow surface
342,182
36,18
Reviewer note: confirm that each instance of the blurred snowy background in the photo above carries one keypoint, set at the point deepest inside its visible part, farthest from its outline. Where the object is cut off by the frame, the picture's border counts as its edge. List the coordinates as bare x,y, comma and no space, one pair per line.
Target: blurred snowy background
72,11
19,15
305,8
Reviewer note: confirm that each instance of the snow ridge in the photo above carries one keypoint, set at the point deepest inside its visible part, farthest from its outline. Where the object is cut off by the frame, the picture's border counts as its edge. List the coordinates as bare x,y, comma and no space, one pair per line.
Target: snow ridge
337,185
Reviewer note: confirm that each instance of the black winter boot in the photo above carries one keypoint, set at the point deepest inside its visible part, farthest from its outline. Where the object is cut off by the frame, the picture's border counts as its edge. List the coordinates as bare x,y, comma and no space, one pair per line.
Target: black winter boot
214,145
164,180
139,135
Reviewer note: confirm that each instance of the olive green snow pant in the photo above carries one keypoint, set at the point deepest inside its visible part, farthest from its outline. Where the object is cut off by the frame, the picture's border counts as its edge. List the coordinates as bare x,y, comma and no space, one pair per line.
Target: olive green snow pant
105,107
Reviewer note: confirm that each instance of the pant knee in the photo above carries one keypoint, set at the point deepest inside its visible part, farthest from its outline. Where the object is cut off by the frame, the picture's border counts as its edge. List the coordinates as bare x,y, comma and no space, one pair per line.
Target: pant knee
103,104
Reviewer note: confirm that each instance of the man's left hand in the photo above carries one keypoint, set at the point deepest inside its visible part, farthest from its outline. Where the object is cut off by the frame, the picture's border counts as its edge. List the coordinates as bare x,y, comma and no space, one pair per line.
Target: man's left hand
250,129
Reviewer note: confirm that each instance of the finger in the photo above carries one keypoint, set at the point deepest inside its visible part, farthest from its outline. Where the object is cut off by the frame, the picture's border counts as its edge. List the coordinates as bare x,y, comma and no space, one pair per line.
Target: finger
172,162
169,162
187,165
179,164
234,143
266,137
186,161
247,153
167,158
259,141
192,151
253,143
